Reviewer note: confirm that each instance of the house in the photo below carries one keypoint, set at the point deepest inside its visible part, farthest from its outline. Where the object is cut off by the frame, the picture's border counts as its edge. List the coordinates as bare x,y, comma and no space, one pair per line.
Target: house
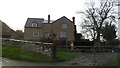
38,29
7,32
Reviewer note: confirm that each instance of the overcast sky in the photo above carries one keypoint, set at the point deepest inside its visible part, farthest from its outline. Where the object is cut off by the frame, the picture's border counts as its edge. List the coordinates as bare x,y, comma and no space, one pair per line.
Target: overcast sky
15,12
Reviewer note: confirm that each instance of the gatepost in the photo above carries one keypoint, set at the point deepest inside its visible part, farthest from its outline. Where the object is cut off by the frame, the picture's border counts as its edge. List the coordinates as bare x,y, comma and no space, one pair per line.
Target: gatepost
53,55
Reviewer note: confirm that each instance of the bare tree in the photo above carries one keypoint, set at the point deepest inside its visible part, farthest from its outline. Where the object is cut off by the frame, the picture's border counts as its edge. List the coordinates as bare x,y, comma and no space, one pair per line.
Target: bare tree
95,17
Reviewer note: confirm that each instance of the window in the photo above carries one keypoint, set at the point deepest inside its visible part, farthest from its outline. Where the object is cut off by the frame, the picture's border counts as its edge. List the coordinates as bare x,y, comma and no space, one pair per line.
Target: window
64,26
35,34
34,25
63,34
47,35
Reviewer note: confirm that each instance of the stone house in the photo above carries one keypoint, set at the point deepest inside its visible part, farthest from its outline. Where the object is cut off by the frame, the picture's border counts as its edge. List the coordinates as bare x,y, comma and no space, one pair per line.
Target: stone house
39,29
7,32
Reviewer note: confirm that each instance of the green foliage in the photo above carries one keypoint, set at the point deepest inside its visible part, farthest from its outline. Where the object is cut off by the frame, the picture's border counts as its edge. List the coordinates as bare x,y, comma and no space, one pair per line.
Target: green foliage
20,34
19,31
0,50
109,31
67,54
21,54
49,40
67,50
78,36
25,55
6,36
85,42
113,42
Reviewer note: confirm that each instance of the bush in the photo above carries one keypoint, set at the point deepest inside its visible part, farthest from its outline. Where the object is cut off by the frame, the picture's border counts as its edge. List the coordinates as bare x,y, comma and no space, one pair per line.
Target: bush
84,42
47,40
113,42
6,36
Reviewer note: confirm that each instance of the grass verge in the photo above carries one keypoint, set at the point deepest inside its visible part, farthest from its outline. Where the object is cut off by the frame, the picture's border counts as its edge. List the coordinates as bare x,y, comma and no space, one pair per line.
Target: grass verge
67,54
25,55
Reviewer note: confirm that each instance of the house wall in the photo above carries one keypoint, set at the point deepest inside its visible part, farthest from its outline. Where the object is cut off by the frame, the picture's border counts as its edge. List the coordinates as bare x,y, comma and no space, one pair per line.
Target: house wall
28,33
57,28
47,28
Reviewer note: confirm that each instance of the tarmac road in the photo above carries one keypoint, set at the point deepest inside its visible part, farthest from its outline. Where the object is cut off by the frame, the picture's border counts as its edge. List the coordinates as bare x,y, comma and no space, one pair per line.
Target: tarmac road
85,60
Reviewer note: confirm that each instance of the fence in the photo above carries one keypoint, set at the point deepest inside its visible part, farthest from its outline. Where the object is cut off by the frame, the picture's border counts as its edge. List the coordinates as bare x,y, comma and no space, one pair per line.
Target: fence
98,48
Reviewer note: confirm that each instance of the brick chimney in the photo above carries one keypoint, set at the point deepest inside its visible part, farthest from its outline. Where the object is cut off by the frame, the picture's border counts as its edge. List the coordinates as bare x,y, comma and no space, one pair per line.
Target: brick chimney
48,18
73,20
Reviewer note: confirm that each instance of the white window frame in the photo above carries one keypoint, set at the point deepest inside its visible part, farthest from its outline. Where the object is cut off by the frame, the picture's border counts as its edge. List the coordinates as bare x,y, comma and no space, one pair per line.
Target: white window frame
63,34
36,35
64,26
34,24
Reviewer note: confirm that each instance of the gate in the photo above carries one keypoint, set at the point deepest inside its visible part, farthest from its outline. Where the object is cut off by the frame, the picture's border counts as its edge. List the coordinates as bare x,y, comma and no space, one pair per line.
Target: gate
87,55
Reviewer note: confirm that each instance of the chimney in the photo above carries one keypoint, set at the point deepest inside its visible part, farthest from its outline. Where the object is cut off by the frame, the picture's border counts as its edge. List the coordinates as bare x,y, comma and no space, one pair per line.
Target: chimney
73,20
48,18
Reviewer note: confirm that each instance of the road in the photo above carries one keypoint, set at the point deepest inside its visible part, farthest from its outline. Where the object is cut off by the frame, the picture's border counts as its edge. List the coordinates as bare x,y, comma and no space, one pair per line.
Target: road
85,60
100,59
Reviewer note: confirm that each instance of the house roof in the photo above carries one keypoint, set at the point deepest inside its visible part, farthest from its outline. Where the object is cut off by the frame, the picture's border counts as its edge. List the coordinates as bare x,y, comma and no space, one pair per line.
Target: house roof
39,21
46,21
61,18
6,30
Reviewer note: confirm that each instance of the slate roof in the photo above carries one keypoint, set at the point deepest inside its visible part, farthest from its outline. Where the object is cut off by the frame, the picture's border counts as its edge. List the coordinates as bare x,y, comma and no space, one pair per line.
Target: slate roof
46,21
39,21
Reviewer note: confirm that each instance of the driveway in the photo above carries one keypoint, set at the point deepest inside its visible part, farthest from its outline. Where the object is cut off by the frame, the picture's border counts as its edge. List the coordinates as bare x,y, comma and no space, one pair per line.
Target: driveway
100,59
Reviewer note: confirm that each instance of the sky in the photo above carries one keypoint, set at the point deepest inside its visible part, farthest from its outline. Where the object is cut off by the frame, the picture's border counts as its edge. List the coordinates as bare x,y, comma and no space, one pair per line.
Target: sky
15,12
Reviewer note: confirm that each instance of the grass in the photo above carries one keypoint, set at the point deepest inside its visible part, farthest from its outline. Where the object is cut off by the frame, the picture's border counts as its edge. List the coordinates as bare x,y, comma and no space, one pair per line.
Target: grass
78,51
0,50
67,50
25,55
67,54
113,63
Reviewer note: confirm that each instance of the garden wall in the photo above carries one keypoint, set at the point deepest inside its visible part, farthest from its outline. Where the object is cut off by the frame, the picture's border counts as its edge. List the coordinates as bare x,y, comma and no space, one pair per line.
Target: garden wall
44,48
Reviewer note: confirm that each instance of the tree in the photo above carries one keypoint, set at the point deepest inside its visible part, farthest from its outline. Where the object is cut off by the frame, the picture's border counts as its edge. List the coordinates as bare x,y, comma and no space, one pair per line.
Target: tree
78,36
109,31
20,34
95,17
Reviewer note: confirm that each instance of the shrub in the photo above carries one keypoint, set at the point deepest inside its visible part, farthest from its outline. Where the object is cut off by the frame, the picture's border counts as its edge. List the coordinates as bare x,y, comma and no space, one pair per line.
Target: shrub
113,42
84,42
6,36
47,40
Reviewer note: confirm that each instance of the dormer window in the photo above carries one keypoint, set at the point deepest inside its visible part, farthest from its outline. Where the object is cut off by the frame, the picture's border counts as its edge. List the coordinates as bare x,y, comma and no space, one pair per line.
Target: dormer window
34,25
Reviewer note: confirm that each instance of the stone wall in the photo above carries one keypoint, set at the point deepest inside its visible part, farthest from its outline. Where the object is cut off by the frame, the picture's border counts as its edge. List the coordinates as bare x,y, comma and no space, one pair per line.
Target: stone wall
44,48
